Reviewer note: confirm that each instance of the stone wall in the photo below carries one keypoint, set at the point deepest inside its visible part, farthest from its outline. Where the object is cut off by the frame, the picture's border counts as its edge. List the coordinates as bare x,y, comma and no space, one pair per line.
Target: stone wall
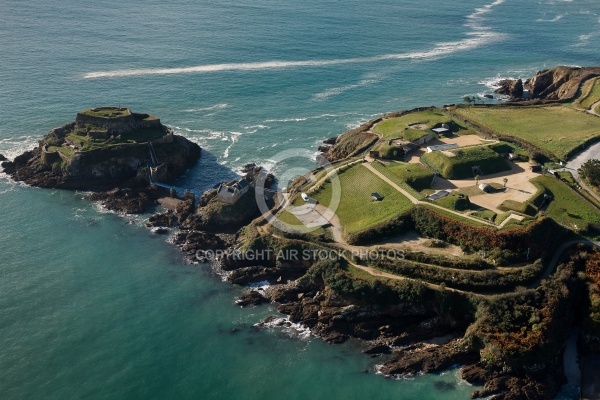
120,124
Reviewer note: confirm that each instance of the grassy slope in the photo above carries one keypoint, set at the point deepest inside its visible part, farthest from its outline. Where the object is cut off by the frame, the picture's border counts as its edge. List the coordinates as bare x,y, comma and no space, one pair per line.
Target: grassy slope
356,210
459,167
398,127
417,176
556,129
591,93
567,206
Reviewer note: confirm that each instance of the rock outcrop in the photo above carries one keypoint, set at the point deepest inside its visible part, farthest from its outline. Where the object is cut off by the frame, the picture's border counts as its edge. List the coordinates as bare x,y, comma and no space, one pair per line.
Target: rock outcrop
511,87
556,84
97,153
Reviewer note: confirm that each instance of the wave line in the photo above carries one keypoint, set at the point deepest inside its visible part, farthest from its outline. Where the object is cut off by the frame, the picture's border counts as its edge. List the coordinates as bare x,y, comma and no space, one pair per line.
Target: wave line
477,36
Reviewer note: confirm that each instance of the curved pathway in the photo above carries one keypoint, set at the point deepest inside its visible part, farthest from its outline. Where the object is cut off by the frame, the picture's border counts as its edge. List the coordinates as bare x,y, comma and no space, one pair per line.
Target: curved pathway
417,201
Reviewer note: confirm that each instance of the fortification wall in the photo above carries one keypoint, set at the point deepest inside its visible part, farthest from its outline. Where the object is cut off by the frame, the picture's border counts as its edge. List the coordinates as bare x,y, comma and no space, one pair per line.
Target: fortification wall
120,124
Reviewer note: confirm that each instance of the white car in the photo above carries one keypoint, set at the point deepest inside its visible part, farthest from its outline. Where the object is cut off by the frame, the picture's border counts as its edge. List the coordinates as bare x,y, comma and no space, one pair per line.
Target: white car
305,197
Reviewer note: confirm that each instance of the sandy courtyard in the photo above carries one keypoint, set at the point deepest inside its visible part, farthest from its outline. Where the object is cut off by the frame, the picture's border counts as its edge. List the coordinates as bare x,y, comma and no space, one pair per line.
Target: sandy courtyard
518,186
461,141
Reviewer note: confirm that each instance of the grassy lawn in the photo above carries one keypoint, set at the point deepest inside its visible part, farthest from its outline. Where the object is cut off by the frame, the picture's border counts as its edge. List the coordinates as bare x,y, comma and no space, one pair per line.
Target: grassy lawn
137,136
591,93
555,129
417,176
460,166
567,206
400,127
357,211
457,201
106,112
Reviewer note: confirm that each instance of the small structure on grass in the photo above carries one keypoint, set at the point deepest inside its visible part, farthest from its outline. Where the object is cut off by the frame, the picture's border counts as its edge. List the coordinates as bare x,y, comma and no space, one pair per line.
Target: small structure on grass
440,147
439,195
376,196
444,130
486,188
535,168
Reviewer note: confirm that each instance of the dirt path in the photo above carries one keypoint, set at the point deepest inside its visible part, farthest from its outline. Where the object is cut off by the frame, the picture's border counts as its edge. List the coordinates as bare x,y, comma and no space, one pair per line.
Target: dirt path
416,201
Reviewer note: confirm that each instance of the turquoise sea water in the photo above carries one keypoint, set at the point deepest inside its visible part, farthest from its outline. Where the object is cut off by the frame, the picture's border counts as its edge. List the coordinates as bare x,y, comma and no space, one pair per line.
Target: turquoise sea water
91,304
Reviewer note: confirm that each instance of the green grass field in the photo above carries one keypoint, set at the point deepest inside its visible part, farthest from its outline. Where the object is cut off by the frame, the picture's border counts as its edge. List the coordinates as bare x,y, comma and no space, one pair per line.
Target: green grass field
456,201
555,129
460,166
357,211
567,207
399,127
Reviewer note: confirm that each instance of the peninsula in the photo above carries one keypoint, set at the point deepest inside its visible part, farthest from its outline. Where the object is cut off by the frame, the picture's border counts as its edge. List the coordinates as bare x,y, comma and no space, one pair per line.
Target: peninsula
464,234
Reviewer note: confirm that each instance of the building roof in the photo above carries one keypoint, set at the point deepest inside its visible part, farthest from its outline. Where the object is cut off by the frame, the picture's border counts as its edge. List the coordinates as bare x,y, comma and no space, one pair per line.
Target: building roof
447,146
376,196
441,130
439,195
242,183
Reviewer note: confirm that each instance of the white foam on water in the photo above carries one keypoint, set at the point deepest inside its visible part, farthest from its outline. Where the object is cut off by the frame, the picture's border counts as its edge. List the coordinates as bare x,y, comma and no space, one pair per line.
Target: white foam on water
285,325
220,106
478,36
326,94
555,19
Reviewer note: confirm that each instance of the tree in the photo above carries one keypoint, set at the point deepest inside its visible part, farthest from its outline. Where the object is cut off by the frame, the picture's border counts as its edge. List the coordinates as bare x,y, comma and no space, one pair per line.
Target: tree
590,171
505,181
477,179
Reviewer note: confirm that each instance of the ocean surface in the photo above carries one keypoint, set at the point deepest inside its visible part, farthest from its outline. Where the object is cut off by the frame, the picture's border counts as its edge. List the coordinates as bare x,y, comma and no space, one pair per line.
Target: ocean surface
92,305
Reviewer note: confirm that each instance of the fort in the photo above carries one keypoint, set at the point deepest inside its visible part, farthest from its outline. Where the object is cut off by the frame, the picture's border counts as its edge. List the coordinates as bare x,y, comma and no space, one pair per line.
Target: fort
104,147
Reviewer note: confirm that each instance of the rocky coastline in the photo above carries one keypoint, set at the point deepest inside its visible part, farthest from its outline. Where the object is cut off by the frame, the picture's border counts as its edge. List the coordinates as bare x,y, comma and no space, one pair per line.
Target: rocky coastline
410,326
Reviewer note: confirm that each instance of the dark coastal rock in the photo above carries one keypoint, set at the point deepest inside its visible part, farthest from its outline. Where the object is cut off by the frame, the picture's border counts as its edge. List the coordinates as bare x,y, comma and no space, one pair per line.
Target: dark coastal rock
427,359
126,200
184,209
2,158
251,298
331,140
378,349
324,148
191,241
488,96
511,87
166,219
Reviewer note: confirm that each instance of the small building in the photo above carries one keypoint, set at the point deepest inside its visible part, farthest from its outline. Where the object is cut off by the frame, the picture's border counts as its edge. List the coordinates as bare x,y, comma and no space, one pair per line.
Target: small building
438,195
486,188
424,139
231,192
535,168
409,147
440,147
376,196
442,131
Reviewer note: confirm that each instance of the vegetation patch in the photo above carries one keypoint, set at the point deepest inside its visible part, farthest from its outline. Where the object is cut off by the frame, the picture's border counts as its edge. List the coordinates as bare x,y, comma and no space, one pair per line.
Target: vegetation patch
515,243
462,165
357,211
415,125
556,130
591,94
417,176
567,207
457,201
